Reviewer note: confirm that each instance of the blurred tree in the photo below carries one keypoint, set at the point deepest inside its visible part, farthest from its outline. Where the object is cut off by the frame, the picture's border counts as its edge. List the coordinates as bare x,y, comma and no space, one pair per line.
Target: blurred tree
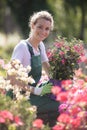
22,9
2,11
68,16
82,4
65,25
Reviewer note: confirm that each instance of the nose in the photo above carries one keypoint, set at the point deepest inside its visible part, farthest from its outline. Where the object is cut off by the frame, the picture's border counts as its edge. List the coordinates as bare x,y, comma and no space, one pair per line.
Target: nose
44,31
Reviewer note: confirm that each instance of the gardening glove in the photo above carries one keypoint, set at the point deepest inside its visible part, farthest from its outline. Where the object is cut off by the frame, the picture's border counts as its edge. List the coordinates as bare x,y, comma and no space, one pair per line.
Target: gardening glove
44,89
35,90
38,90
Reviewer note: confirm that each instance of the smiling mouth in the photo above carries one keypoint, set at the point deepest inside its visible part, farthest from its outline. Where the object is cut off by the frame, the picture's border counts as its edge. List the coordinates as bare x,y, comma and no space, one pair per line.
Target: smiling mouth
43,36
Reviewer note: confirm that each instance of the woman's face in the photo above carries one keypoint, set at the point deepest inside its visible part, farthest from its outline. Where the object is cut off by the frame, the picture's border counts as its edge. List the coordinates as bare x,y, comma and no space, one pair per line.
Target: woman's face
41,29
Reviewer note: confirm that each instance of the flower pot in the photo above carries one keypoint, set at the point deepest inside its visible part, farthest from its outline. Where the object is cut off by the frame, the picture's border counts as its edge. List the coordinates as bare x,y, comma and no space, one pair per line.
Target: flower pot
55,83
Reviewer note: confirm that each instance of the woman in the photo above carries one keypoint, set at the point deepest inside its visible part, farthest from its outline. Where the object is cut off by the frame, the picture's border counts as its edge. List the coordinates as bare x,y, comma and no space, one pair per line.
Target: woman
32,52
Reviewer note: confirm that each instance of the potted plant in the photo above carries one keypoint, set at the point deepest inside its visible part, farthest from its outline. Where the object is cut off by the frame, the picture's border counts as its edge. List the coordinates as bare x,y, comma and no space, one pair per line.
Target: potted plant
64,57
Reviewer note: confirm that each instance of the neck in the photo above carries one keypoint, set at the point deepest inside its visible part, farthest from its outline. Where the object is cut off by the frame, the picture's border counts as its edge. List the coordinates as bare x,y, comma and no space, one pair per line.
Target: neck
34,42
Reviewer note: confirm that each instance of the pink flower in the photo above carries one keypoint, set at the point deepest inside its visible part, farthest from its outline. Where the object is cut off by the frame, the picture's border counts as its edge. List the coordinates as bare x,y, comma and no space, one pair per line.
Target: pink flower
58,127
59,44
73,90
62,97
38,123
63,107
55,90
18,120
49,53
61,53
78,72
2,63
2,120
80,82
75,110
76,122
64,118
6,114
66,82
63,61
81,97
83,59
79,49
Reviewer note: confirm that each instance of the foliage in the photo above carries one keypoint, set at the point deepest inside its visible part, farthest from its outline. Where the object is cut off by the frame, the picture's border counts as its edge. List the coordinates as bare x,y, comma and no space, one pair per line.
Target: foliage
68,4
14,113
64,57
5,53
2,11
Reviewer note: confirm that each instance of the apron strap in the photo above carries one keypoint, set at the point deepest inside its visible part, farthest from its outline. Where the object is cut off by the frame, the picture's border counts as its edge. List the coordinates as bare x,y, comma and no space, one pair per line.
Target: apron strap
31,49
35,65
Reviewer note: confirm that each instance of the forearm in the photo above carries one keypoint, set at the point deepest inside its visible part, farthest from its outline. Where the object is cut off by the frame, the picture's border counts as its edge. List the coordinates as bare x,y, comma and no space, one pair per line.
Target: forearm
46,67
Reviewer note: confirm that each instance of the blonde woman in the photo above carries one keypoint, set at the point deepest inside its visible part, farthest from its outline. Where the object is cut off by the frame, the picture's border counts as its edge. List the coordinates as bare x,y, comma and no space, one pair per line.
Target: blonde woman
31,51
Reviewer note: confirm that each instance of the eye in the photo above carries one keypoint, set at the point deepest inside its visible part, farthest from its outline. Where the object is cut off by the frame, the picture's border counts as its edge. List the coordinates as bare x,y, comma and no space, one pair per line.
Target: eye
40,27
47,29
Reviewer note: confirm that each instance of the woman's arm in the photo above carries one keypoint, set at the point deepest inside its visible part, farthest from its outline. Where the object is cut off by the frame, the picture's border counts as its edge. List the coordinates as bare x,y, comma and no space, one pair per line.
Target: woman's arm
46,67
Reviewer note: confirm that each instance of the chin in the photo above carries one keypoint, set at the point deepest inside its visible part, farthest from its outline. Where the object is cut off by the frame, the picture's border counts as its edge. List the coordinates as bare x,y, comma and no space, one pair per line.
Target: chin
41,39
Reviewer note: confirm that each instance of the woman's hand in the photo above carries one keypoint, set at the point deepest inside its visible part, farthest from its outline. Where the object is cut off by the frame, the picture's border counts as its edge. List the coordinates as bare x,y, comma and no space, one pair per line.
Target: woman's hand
40,91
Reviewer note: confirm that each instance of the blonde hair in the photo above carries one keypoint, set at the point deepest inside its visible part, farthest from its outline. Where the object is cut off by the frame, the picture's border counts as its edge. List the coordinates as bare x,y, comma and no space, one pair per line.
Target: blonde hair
42,14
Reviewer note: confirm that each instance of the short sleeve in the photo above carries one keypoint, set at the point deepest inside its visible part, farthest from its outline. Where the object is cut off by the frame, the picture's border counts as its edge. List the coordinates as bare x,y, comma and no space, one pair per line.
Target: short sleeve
21,53
18,52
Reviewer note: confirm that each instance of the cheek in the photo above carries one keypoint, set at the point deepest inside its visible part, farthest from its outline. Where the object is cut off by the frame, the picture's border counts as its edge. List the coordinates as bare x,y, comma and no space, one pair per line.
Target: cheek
47,33
35,31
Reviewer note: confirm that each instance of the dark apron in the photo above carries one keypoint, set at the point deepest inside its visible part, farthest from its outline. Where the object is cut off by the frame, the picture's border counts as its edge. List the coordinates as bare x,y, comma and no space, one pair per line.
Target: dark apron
44,103
36,66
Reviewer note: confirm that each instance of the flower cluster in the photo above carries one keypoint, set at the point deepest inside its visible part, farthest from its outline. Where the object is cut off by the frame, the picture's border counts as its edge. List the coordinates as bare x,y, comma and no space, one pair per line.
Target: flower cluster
18,113
16,80
18,77
8,120
64,57
16,69
73,107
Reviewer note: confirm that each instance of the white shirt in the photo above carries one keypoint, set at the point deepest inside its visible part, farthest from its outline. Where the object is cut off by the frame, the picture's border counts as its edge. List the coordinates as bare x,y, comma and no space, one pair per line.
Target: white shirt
22,53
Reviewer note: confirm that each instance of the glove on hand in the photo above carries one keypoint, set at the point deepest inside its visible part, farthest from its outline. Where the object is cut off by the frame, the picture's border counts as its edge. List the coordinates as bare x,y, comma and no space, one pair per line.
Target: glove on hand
44,89
38,90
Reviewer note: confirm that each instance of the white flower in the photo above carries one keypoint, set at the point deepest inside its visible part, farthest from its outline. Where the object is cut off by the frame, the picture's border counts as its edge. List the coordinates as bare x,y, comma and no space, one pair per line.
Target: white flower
11,71
31,80
28,68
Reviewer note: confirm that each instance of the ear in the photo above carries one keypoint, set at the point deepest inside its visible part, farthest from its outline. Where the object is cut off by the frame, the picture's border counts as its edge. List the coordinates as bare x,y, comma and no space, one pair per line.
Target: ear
32,26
